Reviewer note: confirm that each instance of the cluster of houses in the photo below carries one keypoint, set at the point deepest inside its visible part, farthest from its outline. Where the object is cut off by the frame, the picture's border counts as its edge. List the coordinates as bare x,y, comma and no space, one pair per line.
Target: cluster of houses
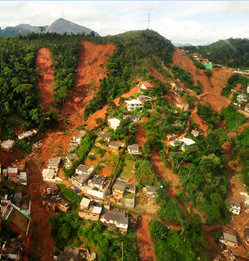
15,173
8,145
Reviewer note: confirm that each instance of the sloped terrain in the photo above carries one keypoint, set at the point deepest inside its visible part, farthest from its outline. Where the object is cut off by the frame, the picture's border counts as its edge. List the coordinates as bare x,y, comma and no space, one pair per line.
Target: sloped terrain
46,77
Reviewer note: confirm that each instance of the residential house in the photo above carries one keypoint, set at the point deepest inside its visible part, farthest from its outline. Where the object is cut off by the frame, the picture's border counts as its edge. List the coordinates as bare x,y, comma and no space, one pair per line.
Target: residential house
133,104
98,186
82,174
27,134
195,133
242,98
54,163
113,123
144,98
133,149
124,193
235,206
187,141
115,145
70,159
7,145
116,218
49,175
62,204
51,189
229,239
150,191
88,210
147,86
77,139
12,173
104,136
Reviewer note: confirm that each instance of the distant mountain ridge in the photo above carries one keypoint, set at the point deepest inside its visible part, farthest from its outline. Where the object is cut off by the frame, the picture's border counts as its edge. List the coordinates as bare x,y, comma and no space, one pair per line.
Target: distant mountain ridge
60,26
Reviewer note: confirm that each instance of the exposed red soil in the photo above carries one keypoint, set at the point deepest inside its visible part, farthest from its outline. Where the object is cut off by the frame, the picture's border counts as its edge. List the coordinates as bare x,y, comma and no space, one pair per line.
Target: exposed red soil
46,79
140,135
202,125
145,246
165,173
157,74
44,242
91,68
211,87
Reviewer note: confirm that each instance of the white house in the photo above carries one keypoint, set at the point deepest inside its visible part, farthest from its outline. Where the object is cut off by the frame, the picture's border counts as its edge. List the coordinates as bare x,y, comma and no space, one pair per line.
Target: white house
77,139
133,149
134,104
113,123
7,144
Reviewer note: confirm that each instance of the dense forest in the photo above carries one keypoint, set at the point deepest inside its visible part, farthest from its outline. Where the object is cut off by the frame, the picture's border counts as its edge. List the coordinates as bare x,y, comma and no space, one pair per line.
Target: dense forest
230,52
18,79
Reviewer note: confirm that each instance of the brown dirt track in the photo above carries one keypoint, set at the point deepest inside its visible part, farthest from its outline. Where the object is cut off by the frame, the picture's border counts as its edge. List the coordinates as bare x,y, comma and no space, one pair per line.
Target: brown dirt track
144,243
46,80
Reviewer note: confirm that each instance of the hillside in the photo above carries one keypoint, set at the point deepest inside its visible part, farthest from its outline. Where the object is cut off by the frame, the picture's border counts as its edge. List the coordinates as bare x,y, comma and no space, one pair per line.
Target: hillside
60,26
230,52
191,141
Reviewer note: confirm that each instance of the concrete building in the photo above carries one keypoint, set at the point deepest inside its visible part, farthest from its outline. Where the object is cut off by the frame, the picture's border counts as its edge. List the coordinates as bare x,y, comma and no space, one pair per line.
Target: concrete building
229,239
116,218
235,207
133,149
113,123
77,139
7,145
134,104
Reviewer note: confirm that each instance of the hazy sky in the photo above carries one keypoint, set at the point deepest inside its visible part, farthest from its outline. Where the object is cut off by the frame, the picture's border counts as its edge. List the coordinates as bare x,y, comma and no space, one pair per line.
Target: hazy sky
180,21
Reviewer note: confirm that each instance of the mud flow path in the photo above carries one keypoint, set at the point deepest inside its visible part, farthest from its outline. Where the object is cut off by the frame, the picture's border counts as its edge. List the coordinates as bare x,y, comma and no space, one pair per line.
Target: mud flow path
46,77
145,246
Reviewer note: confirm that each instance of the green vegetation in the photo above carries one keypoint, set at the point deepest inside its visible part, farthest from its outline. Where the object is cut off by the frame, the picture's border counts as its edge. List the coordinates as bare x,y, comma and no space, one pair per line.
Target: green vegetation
229,52
209,115
233,118
186,244
169,209
68,229
202,172
186,78
163,120
132,59
108,245
145,174
233,81
70,196
18,87
199,64
240,151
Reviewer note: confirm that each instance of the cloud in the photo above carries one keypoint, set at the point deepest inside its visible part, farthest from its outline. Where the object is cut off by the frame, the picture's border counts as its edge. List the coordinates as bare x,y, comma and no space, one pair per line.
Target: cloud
190,21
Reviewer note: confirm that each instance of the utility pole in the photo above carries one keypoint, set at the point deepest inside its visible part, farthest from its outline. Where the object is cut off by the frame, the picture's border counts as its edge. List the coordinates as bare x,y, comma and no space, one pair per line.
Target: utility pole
148,26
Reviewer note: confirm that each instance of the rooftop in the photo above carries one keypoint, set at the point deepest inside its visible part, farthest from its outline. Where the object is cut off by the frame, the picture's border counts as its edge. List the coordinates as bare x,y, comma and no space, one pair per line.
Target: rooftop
117,216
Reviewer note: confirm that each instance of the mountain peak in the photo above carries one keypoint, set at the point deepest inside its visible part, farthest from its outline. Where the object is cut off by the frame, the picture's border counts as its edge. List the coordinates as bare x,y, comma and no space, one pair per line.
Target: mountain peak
61,26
